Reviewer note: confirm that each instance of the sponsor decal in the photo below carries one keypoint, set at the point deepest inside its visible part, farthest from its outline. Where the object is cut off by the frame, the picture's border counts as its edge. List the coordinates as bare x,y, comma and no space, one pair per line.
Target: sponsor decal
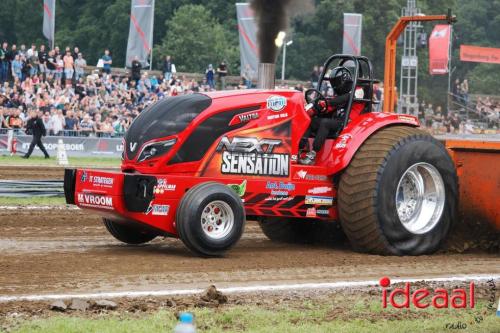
422,298
318,200
294,157
97,201
278,198
408,119
311,212
252,156
280,188
277,116
342,141
133,146
163,186
244,118
158,209
325,212
240,189
54,146
276,103
84,177
302,174
320,190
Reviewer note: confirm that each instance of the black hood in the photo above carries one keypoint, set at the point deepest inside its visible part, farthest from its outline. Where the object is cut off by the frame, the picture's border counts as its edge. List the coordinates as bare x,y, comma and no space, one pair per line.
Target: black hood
164,118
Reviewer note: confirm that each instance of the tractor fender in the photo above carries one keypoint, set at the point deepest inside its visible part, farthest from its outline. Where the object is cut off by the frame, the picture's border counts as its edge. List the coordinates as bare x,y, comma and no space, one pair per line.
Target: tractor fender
358,131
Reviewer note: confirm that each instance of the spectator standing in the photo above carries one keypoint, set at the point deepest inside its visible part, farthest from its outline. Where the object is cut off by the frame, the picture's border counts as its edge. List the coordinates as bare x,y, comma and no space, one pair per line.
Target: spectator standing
247,76
168,68
80,65
4,63
36,128
107,62
70,123
76,52
17,68
464,90
57,122
136,69
428,116
86,125
69,63
210,76
51,63
315,77
42,59
222,72
59,68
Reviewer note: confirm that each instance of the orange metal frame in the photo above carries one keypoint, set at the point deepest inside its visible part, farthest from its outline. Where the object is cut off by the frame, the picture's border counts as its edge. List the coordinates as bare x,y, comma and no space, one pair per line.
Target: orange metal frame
390,53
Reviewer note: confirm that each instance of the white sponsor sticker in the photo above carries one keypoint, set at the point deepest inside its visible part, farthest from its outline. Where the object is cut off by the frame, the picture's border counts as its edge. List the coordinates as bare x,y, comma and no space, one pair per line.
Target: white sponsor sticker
276,103
318,200
97,201
319,190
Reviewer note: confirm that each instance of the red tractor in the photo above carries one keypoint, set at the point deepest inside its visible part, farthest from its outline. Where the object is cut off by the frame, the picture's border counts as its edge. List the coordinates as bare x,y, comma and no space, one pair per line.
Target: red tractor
198,166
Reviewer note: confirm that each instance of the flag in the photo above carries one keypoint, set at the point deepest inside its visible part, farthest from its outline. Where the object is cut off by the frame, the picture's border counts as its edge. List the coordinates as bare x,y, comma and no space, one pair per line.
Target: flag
439,49
247,28
489,55
49,19
352,34
140,36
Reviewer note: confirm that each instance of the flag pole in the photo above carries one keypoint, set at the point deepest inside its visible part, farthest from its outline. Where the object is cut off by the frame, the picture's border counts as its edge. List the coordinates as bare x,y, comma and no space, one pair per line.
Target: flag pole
151,38
53,41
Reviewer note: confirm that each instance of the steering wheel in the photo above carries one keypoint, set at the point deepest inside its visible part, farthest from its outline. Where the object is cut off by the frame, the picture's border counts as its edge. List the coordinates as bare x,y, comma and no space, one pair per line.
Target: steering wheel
314,97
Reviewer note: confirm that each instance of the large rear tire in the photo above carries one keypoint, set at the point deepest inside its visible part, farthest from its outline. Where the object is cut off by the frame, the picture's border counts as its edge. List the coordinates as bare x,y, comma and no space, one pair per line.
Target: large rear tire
210,219
127,233
301,231
399,194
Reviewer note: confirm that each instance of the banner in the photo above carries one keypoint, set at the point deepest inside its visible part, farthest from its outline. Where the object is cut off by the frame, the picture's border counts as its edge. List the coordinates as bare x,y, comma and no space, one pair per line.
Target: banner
140,36
247,28
487,55
439,49
352,34
49,19
74,146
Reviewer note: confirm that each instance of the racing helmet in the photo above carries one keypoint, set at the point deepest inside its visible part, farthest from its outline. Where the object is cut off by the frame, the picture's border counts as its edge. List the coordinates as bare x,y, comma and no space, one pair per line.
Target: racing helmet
341,80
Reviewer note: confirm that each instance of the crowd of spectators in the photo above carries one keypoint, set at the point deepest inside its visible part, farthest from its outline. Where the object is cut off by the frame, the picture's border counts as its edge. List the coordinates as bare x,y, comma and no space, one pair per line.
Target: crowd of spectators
74,102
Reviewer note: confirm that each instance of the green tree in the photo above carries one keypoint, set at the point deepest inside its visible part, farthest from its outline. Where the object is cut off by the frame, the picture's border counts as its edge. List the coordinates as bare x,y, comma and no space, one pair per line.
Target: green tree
195,39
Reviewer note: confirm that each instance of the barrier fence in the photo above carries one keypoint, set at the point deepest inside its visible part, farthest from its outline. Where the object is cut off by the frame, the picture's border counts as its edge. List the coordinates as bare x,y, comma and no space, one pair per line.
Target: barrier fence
74,146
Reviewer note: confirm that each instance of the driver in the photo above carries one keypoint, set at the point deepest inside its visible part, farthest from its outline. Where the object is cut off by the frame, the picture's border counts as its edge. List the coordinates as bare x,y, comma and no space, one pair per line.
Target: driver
323,110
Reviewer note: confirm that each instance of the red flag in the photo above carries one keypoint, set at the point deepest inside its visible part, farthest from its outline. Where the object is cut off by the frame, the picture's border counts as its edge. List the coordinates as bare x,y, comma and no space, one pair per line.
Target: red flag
439,49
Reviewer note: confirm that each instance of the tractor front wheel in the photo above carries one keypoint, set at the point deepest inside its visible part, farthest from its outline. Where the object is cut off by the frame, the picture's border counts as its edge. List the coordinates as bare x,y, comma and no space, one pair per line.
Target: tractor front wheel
399,194
210,219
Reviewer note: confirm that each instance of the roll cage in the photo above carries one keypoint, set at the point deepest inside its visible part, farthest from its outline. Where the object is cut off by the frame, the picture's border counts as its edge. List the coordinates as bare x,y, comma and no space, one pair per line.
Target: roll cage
362,77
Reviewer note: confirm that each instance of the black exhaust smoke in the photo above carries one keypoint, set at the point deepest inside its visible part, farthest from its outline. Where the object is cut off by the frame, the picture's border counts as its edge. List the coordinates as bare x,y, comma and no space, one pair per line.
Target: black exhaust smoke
272,17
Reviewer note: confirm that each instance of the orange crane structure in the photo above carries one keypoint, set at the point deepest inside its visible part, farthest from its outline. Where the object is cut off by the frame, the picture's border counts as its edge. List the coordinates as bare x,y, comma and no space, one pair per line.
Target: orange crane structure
477,158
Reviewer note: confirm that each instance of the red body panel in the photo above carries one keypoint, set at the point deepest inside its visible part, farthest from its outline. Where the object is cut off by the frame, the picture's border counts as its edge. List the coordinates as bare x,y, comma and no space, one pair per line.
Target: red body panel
275,183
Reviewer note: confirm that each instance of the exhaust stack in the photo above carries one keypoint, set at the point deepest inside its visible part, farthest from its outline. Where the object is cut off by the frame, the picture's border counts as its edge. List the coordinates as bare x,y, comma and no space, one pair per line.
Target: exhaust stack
266,76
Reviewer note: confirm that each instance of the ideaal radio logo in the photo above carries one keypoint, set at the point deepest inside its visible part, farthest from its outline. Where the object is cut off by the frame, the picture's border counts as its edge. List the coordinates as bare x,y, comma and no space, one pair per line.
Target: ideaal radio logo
438,298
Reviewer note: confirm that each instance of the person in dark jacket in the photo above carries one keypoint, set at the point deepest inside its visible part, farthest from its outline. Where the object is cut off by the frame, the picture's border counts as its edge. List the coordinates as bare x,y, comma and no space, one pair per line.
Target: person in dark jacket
136,69
36,127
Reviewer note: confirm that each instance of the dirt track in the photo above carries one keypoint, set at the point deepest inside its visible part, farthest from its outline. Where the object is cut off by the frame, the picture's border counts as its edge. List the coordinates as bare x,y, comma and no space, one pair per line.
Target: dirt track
61,251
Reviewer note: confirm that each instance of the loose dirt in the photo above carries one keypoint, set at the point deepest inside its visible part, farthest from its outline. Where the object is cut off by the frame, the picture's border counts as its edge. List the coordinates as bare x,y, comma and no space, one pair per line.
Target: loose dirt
69,251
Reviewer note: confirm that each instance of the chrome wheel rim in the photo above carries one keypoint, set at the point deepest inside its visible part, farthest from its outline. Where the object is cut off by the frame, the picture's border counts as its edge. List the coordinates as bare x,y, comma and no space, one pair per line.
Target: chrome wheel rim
217,219
420,198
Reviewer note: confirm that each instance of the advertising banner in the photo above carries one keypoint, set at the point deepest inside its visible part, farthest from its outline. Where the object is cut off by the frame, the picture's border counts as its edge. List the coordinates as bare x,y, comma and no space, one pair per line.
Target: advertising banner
140,36
487,55
248,38
352,34
74,146
439,49
49,19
